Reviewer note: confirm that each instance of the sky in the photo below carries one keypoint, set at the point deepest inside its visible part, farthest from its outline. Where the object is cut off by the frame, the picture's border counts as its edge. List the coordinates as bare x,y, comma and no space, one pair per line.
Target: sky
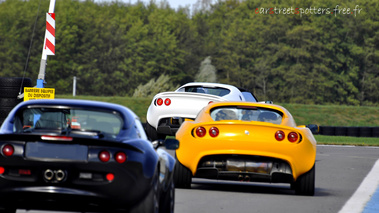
173,3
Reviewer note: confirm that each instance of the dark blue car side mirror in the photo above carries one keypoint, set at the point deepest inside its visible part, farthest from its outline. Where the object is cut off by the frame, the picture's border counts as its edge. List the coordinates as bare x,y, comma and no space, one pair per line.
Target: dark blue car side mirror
172,144
169,143
314,128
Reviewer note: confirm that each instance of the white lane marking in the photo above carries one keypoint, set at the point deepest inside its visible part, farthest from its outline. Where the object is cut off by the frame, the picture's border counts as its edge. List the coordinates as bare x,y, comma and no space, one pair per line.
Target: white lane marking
363,194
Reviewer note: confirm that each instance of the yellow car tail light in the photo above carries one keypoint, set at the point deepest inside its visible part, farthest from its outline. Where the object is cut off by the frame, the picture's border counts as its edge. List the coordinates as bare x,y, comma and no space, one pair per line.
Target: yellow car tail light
279,135
293,136
213,131
200,131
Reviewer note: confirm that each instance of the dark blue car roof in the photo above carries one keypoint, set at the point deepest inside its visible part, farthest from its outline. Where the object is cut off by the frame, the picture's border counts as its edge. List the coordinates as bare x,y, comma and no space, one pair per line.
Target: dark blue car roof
127,114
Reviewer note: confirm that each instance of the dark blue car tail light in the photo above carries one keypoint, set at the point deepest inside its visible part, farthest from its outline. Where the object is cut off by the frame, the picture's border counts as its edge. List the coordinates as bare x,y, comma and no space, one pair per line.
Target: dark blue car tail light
110,177
104,156
120,157
24,172
7,150
56,138
96,177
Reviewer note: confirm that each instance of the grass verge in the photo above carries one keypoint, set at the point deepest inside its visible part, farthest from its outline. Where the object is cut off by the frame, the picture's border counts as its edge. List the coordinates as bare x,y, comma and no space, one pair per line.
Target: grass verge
346,140
322,115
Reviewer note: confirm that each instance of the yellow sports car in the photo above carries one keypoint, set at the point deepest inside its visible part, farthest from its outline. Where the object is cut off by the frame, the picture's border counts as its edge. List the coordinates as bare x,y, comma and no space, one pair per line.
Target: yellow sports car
245,141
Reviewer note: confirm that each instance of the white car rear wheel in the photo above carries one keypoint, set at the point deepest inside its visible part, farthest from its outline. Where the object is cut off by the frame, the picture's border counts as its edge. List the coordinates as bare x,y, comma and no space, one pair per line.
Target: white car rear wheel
152,133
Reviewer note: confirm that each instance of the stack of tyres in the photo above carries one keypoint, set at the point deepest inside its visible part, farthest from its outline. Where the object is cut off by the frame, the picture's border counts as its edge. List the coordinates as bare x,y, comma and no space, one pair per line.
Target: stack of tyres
341,130
9,90
353,131
327,130
365,131
375,131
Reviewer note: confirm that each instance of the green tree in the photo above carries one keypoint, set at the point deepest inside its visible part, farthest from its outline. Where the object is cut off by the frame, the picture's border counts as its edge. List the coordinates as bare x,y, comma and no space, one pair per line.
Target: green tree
153,87
207,72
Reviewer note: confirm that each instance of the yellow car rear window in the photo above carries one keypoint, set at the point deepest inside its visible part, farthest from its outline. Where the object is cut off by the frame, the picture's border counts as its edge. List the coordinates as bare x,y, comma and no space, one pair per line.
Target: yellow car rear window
246,114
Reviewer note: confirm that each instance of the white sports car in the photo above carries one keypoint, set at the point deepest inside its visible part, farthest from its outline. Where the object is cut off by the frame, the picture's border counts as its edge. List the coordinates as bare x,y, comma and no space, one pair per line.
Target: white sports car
168,110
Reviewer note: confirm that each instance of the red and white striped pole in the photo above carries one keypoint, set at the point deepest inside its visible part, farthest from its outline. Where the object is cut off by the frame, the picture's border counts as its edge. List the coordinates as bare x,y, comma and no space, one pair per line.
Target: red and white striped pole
48,45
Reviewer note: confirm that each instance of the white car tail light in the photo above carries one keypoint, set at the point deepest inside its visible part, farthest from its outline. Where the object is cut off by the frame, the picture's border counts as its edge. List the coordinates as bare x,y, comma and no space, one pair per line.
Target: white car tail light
167,102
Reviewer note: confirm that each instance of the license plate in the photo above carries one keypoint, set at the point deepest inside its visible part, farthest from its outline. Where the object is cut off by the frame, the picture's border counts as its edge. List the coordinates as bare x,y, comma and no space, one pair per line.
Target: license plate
42,150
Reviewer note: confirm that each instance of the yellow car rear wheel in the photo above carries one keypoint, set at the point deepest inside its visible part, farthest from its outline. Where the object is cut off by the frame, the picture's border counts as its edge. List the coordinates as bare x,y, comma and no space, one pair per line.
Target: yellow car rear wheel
182,176
305,184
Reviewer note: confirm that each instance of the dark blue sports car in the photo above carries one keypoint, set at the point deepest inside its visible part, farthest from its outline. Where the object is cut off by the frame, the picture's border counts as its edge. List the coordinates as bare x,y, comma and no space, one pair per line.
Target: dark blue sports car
79,155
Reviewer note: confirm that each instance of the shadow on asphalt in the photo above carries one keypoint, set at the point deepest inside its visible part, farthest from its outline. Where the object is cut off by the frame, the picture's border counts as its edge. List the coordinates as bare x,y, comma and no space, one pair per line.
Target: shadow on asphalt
249,187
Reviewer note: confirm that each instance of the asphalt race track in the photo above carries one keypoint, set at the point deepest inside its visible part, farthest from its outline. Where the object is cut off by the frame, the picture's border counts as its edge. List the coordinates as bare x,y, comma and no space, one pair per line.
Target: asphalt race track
339,172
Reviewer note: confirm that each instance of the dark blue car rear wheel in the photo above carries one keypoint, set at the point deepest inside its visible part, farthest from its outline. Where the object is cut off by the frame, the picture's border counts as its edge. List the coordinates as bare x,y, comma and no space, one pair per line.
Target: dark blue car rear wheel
150,204
8,210
168,199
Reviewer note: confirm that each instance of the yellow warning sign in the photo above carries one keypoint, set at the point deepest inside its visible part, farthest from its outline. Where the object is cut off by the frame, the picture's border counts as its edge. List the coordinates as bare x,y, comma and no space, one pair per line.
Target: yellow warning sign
31,93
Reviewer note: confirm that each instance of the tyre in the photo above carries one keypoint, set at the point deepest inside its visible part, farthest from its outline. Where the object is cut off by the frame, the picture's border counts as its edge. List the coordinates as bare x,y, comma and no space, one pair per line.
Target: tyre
340,131
11,87
150,204
182,176
167,202
152,134
9,92
375,132
8,210
9,102
327,130
365,131
15,82
305,184
4,111
352,131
